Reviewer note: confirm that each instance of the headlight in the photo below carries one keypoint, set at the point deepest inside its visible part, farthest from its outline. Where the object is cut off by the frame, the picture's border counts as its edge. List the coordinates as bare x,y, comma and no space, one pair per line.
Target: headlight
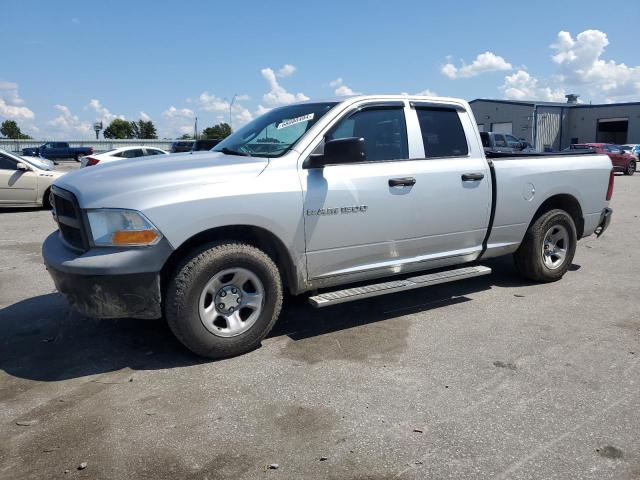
114,228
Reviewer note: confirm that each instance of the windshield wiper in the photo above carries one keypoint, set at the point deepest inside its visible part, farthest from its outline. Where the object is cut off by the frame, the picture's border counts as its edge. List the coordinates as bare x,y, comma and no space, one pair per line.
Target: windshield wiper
228,151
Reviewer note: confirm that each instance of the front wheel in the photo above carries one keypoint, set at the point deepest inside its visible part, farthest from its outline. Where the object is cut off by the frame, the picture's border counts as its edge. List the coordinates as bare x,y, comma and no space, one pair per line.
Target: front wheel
548,247
631,168
224,299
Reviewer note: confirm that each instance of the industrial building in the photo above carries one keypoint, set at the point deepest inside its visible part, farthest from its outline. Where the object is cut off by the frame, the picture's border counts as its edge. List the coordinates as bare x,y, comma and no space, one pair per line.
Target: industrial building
555,126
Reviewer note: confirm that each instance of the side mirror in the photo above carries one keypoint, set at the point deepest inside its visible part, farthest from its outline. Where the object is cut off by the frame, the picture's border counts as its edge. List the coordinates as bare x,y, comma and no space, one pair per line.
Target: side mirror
22,166
338,151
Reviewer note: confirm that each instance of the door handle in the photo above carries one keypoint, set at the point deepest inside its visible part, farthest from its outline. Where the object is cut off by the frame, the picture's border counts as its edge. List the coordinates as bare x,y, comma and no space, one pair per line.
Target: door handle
472,177
402,182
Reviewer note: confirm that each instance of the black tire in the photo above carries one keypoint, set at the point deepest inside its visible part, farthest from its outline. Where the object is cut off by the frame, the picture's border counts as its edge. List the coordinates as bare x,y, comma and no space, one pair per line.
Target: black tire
46,204
631,168
190,278
529,258
77,158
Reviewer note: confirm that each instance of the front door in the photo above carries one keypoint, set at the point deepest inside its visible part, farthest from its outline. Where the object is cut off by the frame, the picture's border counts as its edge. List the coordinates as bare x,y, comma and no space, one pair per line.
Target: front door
16,186
403,207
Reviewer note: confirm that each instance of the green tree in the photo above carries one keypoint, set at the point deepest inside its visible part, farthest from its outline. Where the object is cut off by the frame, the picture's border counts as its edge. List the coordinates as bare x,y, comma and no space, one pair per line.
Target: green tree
186,136
144,129
220,131
118,128
10,129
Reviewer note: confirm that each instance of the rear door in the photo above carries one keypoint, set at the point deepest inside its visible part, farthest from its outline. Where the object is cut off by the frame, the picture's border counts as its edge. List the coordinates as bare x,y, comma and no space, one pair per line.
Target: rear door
405,206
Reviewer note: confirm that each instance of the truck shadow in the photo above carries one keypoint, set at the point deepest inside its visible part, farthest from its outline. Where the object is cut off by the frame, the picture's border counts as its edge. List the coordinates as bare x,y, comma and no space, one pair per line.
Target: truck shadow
41,339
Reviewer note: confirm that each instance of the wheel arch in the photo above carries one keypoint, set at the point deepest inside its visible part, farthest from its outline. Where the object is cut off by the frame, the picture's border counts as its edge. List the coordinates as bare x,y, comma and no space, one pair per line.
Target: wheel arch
45,198
566,202
257,236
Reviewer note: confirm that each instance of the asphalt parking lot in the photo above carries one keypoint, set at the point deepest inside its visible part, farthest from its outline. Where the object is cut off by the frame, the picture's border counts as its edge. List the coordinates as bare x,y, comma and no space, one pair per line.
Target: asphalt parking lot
487,378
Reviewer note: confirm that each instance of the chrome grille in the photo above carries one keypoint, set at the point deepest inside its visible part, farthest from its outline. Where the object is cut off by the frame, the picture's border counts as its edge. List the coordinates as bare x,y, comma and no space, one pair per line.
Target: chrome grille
69,217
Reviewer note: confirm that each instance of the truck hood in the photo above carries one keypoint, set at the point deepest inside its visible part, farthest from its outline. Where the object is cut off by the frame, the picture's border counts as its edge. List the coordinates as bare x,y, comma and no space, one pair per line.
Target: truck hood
123,184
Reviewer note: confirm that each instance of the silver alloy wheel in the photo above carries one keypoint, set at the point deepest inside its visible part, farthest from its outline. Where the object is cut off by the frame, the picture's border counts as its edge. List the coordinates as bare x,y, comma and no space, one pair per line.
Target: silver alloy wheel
231,302
555,246
631,167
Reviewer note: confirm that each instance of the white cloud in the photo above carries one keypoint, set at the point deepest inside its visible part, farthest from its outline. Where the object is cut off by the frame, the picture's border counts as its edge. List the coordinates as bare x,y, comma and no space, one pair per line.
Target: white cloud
211,103
261,110
427,93
172,112
483,63
286,71
277,95
11,105
580,65
341,89
68,124
144,116
523,86
104,114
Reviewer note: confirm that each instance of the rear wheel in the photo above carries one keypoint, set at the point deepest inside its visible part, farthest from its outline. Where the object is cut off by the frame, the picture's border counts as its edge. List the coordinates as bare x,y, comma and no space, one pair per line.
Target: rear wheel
224,299
78,157
631,168
548,247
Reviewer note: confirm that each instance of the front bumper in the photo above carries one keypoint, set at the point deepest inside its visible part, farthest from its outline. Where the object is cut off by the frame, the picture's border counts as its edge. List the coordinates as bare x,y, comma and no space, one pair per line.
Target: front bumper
605,220
135,295
108,282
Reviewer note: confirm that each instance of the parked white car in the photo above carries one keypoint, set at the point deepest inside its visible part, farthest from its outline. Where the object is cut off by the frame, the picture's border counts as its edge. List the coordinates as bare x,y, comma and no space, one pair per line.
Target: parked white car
25,182
120,154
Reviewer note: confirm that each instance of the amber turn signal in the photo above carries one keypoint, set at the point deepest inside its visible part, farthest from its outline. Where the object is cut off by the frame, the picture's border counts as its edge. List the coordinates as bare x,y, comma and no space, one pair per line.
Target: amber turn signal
134,237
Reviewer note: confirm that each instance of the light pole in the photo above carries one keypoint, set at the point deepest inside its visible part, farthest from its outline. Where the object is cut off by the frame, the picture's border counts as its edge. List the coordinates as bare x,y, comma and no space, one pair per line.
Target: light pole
230,106
97,127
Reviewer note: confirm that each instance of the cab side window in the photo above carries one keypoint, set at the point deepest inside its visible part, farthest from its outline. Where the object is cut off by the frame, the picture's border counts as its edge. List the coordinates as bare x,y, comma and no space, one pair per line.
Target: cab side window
384,131
512,141
442,132
7,163
500,140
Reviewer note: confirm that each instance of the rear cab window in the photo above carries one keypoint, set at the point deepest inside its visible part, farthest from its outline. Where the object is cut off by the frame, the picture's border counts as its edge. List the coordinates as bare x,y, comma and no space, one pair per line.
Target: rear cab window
442,132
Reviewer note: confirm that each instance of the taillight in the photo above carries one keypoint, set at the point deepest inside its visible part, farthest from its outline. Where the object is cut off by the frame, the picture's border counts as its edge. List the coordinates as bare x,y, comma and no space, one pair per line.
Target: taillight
92,161
610,189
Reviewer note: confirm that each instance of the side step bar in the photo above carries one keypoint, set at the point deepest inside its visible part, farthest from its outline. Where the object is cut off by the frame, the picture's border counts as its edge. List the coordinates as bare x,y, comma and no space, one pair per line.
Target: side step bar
357,293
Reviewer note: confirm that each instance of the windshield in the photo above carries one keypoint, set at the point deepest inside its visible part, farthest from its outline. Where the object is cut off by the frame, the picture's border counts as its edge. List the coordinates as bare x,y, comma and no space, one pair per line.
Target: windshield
33,161
274,133
38,163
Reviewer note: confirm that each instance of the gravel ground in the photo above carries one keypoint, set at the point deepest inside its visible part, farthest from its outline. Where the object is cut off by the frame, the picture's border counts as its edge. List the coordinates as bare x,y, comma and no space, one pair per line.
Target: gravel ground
487,378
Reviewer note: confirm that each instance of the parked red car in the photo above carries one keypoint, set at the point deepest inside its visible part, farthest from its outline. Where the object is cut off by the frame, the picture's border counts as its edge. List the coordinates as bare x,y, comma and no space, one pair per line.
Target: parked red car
622,161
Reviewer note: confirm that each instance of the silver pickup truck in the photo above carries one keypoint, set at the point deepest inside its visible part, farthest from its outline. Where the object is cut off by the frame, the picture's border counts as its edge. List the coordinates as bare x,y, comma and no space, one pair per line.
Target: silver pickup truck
311,197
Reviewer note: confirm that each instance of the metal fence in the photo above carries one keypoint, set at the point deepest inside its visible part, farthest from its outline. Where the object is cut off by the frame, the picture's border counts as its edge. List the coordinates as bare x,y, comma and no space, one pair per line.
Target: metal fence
98,145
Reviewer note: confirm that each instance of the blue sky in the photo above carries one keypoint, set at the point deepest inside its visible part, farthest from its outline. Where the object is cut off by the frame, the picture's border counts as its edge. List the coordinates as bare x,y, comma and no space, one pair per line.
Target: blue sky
66,64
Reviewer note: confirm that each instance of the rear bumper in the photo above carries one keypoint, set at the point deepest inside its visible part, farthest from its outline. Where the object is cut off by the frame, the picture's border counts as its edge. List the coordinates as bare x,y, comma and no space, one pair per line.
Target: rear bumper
605,220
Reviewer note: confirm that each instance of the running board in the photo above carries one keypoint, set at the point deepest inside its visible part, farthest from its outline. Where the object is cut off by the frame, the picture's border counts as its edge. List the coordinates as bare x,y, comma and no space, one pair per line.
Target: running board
357,293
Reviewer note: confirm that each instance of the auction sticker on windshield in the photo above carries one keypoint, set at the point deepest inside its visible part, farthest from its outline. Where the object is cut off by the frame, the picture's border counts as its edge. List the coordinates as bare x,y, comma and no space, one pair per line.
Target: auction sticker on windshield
293,121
